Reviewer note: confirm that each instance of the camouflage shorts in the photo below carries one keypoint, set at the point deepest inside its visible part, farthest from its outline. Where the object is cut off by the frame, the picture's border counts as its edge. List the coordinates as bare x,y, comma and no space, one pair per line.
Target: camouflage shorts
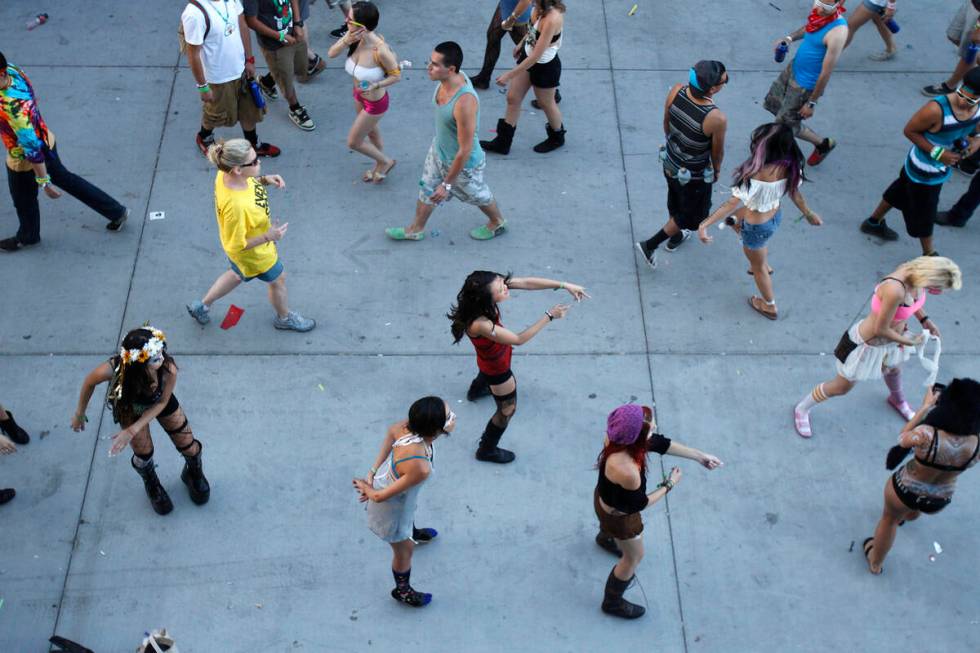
468,187
786,98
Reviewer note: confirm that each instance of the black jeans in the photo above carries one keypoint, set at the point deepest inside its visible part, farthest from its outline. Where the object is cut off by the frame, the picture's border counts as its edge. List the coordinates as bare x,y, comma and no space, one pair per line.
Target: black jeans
495,34
966,205
24,189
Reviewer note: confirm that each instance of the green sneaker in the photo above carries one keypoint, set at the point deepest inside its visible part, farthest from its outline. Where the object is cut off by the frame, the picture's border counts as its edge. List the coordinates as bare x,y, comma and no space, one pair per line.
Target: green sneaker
398,233
483,233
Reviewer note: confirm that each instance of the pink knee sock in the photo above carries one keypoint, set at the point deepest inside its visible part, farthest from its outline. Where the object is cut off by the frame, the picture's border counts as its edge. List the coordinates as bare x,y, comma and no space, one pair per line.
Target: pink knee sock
893,379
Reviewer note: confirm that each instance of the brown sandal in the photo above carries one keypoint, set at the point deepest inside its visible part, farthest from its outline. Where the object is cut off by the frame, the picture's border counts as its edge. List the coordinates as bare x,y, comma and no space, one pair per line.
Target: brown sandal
762,307
380,176
869,545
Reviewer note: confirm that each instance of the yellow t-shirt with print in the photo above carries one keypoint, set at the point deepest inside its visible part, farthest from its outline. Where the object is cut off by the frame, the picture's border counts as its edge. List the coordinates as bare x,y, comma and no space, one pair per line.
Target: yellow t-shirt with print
244,214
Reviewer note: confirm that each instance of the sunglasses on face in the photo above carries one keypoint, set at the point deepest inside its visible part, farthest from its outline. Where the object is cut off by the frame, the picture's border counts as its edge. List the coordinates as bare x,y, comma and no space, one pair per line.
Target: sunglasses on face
972,101
250,163
350,21
449,420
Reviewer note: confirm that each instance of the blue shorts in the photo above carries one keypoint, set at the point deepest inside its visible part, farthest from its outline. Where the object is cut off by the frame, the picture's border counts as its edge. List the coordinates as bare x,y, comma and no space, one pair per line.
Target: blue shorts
268,276
755,236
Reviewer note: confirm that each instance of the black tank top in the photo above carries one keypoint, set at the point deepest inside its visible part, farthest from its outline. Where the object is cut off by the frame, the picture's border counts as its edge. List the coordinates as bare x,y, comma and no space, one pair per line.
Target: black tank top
618,497
687,144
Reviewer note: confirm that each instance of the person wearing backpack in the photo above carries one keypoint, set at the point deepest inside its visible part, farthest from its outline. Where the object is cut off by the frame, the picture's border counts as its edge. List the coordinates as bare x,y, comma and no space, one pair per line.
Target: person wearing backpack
219,52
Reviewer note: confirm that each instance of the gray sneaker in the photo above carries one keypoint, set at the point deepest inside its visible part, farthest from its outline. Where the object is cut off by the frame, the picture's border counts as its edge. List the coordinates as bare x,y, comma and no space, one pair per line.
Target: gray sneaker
294,322
199,312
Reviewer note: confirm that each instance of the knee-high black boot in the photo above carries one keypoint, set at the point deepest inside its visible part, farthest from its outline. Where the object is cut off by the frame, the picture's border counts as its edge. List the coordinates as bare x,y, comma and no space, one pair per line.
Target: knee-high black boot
556,138
159,498
478,388
505,136
488,450
613,603
193,476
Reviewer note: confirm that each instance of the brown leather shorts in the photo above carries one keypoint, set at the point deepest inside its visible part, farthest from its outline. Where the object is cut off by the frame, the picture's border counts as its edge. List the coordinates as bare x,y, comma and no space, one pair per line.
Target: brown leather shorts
621,527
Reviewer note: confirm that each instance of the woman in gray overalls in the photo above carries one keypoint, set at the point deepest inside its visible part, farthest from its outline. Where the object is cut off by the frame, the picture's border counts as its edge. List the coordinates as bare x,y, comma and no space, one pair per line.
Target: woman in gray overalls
392,488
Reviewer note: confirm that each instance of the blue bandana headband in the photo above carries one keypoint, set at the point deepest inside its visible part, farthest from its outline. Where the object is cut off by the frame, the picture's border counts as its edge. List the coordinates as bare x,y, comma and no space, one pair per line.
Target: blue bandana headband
692,78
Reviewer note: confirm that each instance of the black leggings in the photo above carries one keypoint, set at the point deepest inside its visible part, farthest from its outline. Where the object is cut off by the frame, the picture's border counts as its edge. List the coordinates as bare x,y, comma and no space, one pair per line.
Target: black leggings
495,34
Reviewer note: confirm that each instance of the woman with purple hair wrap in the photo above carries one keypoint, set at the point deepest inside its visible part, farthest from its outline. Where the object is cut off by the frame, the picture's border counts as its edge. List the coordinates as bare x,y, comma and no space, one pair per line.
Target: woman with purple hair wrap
774,168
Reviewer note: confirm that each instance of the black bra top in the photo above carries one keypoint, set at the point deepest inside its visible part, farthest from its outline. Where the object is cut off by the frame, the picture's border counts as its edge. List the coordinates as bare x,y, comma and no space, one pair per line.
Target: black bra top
618,497
930,459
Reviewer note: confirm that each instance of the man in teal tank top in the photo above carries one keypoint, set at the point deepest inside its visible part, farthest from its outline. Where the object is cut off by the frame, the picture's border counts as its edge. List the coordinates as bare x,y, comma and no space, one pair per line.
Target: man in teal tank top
455,163
793,97
937,132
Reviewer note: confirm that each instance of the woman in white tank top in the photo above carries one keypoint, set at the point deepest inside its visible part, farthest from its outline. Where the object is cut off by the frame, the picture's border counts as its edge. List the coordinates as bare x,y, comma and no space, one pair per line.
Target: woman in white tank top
373,67
773,169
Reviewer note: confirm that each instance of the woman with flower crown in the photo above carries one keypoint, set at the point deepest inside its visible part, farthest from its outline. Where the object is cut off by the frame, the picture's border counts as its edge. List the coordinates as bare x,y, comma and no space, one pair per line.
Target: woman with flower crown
142,377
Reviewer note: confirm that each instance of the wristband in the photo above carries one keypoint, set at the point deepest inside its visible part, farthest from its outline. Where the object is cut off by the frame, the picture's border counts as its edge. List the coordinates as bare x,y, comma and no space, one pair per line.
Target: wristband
789,38
374,470
298,23
550,316
43,181
561,285
250,60
923,319
282,36
937,152
203,89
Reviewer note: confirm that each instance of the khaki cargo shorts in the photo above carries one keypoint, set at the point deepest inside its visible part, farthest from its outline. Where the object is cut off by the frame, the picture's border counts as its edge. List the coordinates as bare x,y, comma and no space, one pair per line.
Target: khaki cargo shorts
286,64
231,105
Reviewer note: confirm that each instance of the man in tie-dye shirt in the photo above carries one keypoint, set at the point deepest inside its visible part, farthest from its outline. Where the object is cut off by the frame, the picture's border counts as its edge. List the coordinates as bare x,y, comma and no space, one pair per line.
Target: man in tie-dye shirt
33,162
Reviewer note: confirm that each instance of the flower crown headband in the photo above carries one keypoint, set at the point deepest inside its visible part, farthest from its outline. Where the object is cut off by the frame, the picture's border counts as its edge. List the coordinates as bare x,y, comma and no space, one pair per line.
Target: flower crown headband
153,346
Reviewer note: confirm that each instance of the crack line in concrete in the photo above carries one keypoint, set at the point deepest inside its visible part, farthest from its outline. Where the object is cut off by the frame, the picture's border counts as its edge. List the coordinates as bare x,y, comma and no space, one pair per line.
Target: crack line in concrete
122,322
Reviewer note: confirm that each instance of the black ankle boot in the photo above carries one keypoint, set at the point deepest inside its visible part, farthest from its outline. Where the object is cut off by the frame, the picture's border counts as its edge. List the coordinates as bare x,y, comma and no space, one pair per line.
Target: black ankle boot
480,82
613,603
505,136
13,431
606,541
159,498
488,450
193,477
478,389
555,140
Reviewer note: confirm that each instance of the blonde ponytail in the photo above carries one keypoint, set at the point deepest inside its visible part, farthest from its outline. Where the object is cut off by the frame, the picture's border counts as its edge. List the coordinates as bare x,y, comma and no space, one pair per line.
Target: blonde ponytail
225,155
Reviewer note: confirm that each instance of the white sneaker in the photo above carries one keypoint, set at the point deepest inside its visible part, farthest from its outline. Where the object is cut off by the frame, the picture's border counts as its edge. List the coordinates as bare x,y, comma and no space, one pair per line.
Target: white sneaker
302,119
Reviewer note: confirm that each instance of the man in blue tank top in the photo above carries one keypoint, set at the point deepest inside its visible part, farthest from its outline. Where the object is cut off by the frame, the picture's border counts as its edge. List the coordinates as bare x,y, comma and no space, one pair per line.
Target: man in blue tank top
793,97
937,132
455,163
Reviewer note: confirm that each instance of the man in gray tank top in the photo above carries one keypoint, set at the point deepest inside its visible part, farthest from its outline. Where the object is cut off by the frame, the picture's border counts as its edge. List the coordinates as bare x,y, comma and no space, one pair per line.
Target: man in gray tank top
455,163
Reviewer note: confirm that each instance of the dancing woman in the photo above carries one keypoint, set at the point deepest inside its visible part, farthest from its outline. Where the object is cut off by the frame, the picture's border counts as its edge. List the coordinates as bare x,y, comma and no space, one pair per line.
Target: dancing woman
142,378
538,67
374,67
392,487
477,316
774,168
876,346
944,437
621,494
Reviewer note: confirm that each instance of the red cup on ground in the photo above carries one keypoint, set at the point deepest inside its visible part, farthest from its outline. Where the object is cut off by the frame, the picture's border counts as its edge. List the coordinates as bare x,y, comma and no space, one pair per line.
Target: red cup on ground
232,316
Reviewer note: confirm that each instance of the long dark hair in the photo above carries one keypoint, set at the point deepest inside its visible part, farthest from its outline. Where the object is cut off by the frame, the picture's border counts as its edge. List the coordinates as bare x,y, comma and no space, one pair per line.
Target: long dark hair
367,14
131,381
772,144
544,6
637,449
475,299
427,417
957,411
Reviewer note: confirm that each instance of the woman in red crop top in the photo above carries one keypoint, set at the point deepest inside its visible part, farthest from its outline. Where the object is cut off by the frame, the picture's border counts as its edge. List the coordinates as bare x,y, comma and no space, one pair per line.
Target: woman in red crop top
477,316
876,346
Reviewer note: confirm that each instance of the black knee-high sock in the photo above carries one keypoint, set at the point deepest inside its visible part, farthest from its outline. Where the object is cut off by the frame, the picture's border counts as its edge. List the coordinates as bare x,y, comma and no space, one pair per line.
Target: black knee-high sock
268,79
491,435
251,136
658,238
205,133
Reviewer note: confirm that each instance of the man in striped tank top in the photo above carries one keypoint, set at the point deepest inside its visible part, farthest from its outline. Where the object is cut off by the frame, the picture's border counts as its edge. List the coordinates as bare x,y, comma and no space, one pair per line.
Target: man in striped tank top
695,131
936,131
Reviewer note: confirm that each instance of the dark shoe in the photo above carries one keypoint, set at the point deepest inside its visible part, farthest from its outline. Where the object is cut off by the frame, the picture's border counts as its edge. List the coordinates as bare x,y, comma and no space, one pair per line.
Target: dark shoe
608,543
12,430
821,151
11,244
479,388
116,225
879,229
267,149
268,87
613,603
204,143
482,83
159,498
302,119
495,455
412,597
675,241
315,66
7,494
193,477
555,140
537,105
339,32
936,89
505,136
649,255
967,167
423,535
946,219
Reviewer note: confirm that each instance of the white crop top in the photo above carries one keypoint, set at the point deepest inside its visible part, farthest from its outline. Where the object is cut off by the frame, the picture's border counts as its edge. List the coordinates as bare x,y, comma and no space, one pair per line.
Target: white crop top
364,73
761,196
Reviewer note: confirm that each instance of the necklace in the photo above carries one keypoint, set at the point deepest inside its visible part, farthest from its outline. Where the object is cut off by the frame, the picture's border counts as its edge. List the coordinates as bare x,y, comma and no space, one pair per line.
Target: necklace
229,27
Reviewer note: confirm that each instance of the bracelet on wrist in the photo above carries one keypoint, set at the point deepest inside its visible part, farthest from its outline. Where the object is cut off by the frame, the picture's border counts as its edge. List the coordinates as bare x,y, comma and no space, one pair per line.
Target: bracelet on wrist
203,89
282,36
250,60
43,181
937,152
374,470
923,319
550,316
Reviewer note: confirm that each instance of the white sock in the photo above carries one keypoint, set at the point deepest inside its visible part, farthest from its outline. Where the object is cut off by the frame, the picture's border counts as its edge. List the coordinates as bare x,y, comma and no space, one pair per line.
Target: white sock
806,403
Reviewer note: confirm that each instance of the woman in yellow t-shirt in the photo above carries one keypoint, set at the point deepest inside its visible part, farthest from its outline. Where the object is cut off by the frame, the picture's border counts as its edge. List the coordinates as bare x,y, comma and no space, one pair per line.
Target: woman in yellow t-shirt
247,235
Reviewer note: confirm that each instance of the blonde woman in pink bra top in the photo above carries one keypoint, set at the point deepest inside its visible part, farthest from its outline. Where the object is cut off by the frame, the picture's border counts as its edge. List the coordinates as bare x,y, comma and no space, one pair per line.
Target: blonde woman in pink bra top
876,346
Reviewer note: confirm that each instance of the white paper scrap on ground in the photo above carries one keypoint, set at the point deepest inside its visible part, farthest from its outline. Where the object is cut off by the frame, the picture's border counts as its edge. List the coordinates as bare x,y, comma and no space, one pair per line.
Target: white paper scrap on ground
157,215
938,548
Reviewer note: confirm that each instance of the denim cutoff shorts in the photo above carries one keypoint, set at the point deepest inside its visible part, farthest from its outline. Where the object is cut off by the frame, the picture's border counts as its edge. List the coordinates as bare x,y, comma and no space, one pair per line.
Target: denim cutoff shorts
755,236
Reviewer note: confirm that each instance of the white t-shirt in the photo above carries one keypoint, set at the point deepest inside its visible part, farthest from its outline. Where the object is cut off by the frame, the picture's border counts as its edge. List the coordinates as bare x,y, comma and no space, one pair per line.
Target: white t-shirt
223,54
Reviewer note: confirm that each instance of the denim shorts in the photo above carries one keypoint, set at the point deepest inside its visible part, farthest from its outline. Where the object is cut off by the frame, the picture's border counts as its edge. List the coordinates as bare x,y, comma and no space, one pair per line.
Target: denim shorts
755,236
873,8
268,276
